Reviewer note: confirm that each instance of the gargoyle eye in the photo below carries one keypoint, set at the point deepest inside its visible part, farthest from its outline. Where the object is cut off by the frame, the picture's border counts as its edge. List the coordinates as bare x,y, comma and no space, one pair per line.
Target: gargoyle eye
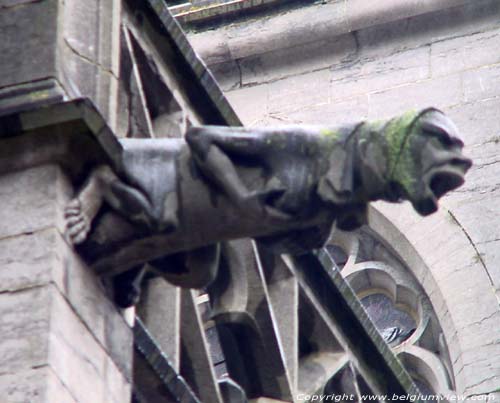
442,135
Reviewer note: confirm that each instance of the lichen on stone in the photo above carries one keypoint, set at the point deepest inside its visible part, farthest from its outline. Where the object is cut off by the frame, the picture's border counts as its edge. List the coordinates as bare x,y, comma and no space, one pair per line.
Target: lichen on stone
401,164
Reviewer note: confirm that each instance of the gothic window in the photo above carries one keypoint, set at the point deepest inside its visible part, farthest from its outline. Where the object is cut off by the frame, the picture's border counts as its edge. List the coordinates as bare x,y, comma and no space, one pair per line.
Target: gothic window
397,305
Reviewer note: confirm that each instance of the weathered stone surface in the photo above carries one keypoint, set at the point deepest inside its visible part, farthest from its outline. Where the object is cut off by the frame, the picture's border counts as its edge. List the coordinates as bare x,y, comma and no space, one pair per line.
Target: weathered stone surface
294,27
30,95
462,53
24,326
33,253
374,75
227,74
34,25
284,62
78,359
482,378
90,52
196,363
78,17
250,114
39,385
347,111
88,298
30,260
481,83
298,92
160,311
439,92
32,200
447,59
38,329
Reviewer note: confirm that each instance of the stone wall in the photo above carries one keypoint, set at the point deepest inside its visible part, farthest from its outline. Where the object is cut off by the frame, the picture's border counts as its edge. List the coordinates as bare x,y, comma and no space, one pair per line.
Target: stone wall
314,65
63,340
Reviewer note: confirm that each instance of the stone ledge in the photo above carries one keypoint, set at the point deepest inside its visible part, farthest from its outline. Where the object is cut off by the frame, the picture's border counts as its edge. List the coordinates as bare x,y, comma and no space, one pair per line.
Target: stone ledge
207,9
309,24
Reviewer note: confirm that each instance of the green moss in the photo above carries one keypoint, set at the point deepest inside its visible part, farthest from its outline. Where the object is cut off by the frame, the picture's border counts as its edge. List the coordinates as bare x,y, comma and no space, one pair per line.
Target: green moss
333,134
401,165
39,95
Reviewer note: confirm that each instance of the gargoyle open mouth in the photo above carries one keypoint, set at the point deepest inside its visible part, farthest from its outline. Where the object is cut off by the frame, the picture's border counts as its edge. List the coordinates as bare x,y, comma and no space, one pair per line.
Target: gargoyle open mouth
440,180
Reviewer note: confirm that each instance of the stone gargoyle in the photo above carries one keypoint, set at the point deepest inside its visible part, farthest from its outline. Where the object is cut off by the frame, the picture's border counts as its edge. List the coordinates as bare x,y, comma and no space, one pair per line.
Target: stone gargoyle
286,187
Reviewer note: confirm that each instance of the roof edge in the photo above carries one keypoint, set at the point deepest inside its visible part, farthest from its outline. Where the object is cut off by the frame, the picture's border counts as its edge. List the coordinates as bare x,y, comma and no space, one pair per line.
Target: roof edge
305,25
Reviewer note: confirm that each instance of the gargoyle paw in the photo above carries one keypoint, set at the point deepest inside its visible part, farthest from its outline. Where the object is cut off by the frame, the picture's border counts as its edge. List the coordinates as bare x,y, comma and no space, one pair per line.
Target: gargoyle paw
77,222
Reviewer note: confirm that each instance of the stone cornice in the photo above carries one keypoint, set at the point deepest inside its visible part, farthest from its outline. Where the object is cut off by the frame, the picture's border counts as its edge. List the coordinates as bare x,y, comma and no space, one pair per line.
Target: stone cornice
306,25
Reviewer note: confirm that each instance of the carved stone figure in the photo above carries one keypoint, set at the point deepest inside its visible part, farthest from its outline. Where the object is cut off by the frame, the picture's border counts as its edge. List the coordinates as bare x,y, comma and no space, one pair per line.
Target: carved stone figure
286,187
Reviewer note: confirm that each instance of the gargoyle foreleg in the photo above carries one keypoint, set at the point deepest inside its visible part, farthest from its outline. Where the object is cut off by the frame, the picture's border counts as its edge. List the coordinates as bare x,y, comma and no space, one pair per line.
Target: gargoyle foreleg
213,151
103,185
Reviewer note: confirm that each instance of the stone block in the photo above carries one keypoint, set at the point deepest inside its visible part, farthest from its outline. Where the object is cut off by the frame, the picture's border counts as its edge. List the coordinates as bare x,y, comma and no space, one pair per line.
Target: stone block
465,52
37,259
30,260
285,62
481,369
481,83
334,114
299,92
310,25
91,30
78,359
424,29
78,17
160,309
92,81
32,200
227,75
377,74
88,298
33,253
250,103
476,213
29,32
38,385
89,52
478,122
212,48
440,92
75,43
24,326
490,253
117,388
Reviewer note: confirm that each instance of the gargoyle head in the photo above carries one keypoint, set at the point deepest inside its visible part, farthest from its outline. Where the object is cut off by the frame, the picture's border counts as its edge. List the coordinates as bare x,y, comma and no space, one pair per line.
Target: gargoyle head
425,159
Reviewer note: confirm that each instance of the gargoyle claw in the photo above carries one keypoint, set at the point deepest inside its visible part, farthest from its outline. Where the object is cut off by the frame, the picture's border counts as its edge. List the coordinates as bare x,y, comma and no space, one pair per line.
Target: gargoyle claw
77,222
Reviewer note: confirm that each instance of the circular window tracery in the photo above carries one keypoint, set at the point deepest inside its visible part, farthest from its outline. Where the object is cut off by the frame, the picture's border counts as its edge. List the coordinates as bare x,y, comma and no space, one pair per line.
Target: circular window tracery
397,305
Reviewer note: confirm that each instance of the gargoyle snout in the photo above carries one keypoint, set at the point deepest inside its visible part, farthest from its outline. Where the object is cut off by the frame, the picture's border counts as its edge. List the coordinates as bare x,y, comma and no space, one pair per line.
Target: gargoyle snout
440,180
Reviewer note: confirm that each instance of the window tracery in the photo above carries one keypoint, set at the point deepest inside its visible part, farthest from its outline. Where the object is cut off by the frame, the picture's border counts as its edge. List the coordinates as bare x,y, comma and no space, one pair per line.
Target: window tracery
398,306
